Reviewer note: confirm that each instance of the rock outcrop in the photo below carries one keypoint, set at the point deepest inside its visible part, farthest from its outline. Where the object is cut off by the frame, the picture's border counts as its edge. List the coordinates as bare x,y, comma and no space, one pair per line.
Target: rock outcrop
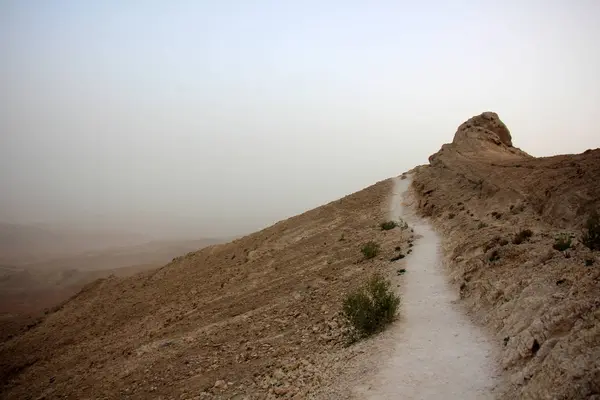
483,125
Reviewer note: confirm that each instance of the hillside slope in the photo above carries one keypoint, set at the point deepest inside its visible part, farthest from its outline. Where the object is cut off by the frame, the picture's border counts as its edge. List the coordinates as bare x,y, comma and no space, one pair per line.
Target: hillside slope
258,317
541,303
27,290
259,313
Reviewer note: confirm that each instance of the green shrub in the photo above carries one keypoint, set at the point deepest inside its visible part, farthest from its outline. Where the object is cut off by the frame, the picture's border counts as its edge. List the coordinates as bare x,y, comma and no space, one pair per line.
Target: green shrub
370,250
370,308
522,236
386,226
591,236
562,242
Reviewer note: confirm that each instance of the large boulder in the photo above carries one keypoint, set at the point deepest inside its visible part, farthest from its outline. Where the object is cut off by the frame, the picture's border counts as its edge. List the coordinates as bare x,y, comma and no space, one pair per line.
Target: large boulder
487,122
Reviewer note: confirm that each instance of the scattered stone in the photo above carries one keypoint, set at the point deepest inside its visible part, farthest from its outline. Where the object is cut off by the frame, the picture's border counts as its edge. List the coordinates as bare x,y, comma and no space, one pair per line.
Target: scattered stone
220,384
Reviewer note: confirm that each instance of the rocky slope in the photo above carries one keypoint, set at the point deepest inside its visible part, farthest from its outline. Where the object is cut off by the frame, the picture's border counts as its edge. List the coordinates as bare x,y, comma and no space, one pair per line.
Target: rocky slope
27,290
542,304
254,318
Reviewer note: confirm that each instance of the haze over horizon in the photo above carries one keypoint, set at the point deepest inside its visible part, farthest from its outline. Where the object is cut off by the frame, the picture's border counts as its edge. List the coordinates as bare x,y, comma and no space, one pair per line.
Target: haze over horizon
220,118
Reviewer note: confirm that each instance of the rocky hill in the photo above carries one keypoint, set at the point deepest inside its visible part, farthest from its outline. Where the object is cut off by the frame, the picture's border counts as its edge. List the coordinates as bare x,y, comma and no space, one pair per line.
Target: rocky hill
541,303
258,317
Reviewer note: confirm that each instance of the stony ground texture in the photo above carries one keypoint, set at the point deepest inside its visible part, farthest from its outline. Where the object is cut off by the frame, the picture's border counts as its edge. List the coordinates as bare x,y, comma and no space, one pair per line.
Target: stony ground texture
255,318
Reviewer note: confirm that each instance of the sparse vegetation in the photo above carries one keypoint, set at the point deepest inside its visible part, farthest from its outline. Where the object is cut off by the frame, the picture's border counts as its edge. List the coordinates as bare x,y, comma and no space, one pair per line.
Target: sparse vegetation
591,236
522,236
481,225
370,250
342,238
562,242
451,215
388,225
371,308
503,242
398,248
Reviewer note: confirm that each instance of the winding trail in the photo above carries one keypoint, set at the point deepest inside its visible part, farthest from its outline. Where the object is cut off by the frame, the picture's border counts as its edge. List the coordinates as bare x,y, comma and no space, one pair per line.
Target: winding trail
438,353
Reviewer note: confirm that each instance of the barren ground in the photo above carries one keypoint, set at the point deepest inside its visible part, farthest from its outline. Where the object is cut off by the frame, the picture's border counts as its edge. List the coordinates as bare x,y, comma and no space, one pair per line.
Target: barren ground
258,317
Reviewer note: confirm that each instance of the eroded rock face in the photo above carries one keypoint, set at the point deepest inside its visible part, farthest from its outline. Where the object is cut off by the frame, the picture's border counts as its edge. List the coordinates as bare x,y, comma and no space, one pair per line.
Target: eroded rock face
542,302
485,122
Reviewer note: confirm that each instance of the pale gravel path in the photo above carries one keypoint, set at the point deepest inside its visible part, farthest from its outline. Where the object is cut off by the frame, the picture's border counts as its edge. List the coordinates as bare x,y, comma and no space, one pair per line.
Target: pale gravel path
437,352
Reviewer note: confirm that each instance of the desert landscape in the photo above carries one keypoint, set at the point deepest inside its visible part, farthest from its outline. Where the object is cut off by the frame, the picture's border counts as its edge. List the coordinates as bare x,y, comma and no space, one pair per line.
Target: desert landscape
43,267
260,317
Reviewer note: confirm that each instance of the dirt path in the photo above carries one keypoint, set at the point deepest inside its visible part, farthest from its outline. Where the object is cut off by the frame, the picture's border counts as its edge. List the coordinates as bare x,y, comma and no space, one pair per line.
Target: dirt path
438,353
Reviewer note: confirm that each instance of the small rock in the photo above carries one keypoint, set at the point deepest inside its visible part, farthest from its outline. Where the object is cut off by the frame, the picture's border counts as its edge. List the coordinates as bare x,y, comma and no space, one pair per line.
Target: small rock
278,374
281,390
220,384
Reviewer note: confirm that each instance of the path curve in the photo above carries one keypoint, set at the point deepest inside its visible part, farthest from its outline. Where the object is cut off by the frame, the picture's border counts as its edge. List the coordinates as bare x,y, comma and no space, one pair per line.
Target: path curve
438,353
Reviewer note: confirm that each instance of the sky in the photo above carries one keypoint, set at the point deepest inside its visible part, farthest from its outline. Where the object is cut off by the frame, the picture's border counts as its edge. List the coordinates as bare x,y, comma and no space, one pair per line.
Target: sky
211,118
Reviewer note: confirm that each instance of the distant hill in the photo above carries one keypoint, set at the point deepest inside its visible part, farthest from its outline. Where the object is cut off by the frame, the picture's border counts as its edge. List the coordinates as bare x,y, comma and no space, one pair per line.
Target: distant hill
29,288
26,244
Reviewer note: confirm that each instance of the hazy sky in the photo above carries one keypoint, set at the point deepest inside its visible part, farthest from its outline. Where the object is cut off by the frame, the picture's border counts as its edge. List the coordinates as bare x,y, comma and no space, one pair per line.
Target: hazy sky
221,117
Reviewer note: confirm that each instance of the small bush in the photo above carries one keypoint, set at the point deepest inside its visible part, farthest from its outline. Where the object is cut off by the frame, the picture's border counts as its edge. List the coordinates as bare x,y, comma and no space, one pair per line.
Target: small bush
369,309
562,243
397,248
342,238
522,236
503,242
370,250
451,215
386,226
589,262
591,236
482,225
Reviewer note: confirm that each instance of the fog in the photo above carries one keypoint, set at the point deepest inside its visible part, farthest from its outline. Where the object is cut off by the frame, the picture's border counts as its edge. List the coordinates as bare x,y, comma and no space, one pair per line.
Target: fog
211,118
